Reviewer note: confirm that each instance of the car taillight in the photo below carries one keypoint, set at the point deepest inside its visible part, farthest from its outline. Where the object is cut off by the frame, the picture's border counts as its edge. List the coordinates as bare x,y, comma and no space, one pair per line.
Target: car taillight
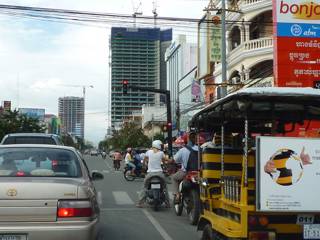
67,209
20,174
252,221
261,221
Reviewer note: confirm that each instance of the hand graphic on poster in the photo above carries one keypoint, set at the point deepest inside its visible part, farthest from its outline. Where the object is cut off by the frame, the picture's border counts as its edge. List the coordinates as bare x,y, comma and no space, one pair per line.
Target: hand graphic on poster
305,158
270,166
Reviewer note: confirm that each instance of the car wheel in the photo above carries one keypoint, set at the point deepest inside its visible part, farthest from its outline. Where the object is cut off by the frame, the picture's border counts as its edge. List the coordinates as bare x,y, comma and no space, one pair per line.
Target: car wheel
100,236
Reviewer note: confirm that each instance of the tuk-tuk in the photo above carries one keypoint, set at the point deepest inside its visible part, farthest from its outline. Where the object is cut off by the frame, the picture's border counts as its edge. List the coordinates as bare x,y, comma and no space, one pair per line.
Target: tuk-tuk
260,176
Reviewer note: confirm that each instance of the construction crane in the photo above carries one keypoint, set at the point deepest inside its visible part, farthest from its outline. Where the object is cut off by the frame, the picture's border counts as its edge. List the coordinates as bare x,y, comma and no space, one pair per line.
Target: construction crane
136,11
82,86
155,13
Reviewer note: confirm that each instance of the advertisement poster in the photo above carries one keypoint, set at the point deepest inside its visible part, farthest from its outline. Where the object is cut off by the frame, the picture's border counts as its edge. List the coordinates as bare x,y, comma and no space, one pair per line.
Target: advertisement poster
37,113
297,43
288,174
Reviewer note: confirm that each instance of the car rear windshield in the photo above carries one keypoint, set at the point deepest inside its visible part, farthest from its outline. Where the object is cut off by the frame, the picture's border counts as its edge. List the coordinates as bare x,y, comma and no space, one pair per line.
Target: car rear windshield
29,140
38,162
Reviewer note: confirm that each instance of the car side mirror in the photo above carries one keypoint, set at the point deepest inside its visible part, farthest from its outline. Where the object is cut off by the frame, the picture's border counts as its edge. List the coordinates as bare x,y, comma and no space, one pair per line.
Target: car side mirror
96,176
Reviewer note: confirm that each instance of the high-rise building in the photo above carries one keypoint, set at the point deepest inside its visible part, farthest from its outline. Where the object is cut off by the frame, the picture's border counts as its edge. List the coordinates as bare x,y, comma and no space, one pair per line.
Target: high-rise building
71,113
181,59
138,57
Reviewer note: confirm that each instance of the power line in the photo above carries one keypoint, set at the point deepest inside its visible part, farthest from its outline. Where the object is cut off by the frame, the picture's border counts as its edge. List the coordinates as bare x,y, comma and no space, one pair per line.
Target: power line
97,17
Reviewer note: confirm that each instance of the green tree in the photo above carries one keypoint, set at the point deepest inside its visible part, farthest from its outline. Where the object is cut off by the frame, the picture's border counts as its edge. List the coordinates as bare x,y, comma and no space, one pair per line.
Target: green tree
13,122
130,135
159,136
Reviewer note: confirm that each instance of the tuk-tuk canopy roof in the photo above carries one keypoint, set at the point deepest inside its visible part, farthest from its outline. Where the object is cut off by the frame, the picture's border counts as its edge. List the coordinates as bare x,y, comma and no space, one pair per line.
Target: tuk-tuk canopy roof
284,104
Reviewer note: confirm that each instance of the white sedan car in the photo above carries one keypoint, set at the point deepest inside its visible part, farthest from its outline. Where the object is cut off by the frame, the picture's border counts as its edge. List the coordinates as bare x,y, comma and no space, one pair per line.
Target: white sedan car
46,192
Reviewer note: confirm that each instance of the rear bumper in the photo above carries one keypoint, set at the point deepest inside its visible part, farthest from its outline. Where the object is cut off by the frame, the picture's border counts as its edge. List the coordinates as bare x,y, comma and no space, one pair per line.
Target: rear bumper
74,230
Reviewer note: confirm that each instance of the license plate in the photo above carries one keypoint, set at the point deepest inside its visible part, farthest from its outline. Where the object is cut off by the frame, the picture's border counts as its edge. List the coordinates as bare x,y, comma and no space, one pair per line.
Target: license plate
311,231
303,219
13,237
155,186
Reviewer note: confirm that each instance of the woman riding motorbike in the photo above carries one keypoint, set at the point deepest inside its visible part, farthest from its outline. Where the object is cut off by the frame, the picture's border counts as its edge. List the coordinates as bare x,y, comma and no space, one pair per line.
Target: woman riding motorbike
154,157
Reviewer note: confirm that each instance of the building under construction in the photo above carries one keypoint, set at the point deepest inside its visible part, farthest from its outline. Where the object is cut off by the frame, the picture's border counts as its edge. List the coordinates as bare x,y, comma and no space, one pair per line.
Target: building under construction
71,113
138,57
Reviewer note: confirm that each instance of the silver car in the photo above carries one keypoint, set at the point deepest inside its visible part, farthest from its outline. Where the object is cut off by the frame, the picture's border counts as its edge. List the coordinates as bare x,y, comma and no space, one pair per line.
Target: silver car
46,192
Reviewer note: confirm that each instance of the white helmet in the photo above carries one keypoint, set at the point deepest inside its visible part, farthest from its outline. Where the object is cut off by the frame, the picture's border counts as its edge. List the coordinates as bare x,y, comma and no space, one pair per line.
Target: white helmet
157,144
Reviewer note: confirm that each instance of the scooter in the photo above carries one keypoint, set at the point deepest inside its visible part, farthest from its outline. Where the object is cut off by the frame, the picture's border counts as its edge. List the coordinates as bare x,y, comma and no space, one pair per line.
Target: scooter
189,199
139,172
156,193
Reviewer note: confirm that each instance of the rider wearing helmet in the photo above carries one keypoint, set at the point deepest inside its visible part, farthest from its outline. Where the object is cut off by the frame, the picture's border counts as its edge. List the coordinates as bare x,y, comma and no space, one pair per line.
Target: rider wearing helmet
182,157
129,160
154,157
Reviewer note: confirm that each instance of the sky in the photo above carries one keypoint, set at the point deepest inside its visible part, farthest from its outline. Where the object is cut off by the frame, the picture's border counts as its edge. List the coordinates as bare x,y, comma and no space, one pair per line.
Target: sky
39,59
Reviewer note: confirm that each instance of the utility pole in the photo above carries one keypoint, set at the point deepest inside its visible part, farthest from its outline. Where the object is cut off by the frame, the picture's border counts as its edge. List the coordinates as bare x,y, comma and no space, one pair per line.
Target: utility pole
152,127
223,45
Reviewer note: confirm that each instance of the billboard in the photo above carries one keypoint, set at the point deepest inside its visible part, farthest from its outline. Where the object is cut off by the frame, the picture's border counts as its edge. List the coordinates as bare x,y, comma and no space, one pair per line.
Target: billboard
297,43
7,105
37,113
288,171
209,44
203,50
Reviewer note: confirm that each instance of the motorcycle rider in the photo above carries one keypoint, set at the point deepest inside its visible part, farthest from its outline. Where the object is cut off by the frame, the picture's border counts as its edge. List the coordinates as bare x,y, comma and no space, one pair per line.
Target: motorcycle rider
129,160
154,157
182,157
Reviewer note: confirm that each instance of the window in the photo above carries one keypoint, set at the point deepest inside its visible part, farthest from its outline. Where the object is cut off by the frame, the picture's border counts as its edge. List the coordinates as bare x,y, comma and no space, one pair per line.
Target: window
38,162
30,140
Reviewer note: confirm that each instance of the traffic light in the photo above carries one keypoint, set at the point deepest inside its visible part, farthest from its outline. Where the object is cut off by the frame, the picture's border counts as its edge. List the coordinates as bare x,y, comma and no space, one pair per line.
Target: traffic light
125,86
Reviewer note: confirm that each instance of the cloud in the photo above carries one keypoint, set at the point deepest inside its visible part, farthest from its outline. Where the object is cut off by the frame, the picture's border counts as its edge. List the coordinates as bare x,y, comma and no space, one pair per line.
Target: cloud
38,57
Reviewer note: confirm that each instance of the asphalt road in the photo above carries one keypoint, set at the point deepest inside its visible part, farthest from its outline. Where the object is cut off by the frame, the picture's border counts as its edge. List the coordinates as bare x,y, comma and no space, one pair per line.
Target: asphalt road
121,219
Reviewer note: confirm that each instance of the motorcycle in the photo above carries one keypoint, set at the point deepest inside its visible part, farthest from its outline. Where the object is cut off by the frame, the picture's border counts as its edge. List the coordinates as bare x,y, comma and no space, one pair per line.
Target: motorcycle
156,193
189,199
140,172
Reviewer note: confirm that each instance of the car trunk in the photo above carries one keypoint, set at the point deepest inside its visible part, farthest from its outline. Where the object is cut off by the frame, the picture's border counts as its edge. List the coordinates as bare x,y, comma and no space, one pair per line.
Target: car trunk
31,199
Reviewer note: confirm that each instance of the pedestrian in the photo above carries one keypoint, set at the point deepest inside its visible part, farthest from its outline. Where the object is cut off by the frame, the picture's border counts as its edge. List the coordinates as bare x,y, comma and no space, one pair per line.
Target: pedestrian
117,158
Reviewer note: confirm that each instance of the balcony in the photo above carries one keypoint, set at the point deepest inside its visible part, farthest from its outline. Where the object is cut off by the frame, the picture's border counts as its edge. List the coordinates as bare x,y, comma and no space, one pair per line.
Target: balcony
247,6
258,43
251,48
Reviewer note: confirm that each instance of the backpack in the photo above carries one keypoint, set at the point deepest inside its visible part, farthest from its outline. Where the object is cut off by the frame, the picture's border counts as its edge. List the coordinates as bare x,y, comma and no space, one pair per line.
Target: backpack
193,160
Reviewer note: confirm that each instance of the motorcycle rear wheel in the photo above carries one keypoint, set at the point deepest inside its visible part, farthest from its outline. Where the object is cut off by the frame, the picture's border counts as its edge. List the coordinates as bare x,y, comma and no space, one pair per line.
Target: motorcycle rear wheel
178,207
128,176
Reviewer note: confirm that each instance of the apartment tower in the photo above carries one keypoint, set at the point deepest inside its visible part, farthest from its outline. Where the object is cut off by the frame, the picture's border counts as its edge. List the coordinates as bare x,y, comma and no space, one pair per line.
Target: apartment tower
71,113
137,55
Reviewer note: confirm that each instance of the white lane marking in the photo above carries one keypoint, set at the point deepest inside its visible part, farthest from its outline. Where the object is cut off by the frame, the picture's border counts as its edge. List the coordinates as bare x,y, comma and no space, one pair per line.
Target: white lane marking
106,171
157,225
122,198
99,198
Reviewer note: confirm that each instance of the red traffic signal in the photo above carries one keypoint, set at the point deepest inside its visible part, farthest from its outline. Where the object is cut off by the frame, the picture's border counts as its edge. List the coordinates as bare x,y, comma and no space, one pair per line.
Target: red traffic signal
125,86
